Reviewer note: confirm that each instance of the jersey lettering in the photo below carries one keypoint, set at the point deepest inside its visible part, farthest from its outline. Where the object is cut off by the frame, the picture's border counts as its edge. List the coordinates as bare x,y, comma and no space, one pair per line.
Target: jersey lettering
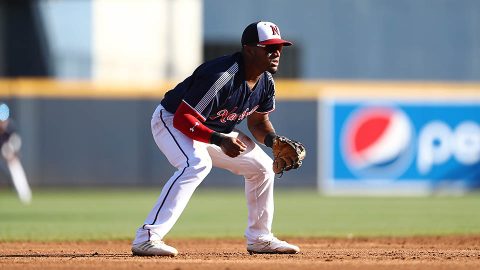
225,115
218,95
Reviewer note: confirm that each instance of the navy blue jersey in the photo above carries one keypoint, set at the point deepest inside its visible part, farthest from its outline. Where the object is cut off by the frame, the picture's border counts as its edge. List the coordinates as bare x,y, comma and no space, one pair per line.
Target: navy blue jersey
217,91
6,131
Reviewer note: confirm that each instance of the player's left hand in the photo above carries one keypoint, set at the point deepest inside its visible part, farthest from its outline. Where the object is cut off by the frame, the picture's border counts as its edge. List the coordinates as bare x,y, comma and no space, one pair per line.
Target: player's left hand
288,154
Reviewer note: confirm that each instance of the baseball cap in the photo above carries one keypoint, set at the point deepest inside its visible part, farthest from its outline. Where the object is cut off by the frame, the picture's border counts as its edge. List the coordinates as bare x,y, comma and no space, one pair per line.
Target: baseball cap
265,33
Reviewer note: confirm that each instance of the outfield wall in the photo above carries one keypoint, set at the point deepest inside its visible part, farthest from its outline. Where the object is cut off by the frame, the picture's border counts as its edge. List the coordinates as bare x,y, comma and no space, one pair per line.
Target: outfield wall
82,133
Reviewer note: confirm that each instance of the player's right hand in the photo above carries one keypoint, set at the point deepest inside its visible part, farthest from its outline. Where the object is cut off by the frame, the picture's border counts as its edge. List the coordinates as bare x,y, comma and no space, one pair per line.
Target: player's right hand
232,147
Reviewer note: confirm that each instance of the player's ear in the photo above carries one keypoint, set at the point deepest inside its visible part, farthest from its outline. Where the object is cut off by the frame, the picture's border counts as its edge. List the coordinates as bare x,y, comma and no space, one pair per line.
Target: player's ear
248,50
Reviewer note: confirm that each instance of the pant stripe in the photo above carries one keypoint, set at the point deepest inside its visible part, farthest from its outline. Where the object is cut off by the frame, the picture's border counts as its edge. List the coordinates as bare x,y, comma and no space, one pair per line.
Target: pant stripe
173,183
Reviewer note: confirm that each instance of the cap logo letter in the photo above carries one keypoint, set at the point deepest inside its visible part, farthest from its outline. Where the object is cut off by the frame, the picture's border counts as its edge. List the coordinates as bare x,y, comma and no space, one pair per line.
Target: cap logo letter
274,30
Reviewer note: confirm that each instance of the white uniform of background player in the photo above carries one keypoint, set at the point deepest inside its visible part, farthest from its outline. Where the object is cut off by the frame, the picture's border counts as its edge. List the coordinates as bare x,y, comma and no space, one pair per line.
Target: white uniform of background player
194,126
10,144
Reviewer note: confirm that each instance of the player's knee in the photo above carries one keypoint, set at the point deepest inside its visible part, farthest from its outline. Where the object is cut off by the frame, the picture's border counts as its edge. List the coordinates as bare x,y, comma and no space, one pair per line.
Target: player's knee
267,170
263,170
201,166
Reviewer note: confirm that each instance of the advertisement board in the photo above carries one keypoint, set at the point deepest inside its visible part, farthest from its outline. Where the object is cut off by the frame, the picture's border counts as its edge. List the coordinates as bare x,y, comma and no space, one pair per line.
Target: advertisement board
399,147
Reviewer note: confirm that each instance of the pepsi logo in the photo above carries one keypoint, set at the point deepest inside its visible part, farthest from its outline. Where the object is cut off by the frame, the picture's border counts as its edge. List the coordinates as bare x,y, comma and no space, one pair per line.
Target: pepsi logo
377,142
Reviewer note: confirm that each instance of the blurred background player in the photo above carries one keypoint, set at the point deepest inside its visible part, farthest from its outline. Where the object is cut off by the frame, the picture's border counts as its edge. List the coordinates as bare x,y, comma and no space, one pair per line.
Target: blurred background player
10,143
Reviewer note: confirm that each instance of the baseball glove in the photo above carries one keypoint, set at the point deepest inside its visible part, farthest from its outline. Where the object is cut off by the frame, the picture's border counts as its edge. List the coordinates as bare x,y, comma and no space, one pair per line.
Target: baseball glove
288,154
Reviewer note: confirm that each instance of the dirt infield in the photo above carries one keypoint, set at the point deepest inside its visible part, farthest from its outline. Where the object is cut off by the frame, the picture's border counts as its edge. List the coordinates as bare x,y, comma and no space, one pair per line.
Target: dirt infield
317,253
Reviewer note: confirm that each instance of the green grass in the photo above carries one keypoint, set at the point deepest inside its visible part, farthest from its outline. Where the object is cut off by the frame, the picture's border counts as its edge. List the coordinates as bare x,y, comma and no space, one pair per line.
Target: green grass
115,214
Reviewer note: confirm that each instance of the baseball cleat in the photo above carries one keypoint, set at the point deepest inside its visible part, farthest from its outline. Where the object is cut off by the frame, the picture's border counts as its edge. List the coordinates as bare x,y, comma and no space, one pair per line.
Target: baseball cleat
153,248
272,246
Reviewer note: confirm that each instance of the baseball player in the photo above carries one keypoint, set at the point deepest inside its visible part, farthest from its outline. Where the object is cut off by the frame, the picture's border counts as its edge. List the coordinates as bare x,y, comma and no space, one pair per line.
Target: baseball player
10,143
194,126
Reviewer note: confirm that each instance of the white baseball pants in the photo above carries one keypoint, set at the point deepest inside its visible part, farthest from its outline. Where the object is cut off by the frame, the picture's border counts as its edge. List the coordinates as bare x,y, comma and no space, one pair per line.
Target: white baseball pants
194,161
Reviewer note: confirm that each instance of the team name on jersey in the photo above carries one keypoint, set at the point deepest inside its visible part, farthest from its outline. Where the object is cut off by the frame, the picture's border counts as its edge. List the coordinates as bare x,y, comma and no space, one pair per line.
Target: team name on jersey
225,115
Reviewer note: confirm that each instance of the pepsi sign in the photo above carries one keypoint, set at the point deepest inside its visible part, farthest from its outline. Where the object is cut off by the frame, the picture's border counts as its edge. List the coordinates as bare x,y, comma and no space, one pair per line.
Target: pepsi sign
403,146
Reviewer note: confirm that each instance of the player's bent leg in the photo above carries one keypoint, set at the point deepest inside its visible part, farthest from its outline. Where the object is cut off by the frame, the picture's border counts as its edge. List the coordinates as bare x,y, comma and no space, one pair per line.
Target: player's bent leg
256,166
193,165
172,201
259,183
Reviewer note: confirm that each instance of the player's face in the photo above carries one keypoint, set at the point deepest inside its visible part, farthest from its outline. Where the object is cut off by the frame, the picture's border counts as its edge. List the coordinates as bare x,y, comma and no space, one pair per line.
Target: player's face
3,126
269,56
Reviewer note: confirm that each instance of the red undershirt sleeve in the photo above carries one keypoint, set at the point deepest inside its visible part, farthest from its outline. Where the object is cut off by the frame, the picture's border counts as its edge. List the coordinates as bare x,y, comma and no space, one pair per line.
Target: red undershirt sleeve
189,122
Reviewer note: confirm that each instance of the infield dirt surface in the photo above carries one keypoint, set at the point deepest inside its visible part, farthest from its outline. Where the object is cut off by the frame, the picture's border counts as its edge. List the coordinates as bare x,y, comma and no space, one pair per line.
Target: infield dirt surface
449,252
